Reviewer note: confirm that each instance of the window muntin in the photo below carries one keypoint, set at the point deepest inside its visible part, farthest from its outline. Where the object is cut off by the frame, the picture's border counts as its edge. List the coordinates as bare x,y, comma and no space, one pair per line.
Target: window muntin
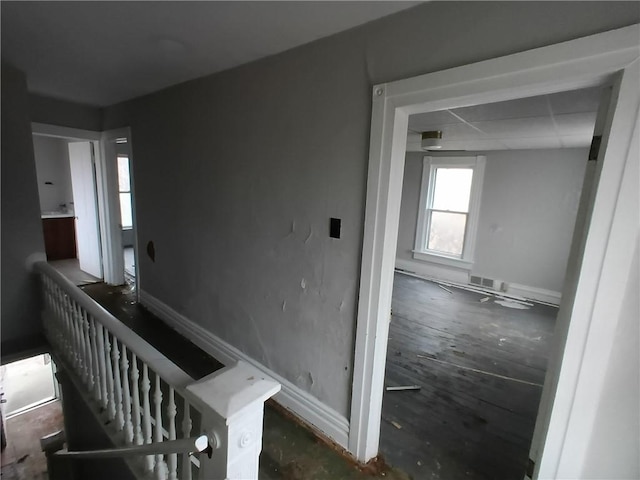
449,205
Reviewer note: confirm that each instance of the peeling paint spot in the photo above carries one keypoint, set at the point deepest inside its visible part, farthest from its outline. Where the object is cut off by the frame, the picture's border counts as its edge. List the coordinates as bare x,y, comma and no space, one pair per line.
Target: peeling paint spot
284,305
303,284
309,236
341,305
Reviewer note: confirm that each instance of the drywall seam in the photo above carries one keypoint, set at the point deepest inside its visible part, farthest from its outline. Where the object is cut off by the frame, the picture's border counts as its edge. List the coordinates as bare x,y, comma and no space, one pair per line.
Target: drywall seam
307,407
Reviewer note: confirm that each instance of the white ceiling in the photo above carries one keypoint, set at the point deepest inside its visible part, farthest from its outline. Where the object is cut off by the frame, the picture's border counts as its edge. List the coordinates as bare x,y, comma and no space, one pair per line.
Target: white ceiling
560,120
101,53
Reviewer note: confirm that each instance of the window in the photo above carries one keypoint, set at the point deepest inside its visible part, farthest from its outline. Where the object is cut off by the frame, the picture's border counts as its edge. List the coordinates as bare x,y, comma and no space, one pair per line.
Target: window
448,213
124,189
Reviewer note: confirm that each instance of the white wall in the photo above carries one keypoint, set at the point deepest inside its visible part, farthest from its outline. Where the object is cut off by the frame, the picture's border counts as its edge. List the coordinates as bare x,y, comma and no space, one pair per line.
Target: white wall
614,451
250,164
52,165
527,214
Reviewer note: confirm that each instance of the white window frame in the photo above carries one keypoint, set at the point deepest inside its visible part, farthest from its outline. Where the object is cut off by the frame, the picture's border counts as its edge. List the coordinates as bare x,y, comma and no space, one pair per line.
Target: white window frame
118,156
429,167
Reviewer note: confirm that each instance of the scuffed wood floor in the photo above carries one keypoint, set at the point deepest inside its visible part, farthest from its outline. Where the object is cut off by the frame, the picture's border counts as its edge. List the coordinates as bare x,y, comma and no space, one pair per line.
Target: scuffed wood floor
23,459
480,366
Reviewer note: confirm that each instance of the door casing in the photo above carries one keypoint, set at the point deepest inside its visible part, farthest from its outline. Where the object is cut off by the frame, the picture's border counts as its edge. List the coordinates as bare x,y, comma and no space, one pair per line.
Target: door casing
606,58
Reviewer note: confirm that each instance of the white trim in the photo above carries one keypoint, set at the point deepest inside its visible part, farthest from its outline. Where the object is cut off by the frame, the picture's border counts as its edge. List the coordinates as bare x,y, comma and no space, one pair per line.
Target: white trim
307,407
456,276
588,61
534,293
427,188
57,131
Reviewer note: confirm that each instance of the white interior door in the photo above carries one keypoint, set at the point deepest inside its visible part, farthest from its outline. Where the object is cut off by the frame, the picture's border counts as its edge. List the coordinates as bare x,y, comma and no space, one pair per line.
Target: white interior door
85,204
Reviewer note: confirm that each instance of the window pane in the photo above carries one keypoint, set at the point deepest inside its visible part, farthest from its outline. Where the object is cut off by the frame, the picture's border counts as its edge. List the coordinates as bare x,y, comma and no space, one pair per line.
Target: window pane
124,184
446,232
125,210
452,189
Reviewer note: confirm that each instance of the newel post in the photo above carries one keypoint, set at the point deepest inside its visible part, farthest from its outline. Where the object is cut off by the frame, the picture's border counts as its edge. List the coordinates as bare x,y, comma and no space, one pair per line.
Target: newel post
232,405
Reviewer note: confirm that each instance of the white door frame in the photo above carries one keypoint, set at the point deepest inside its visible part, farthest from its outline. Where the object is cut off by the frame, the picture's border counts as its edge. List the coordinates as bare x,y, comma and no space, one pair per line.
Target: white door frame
107,182
589,61
108,189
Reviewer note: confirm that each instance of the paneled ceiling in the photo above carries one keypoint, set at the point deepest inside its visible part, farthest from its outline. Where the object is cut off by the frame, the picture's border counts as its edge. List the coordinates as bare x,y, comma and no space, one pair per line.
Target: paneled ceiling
560,120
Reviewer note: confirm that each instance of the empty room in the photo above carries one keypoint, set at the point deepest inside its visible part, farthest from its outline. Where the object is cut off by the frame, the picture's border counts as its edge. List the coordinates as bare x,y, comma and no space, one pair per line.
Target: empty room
489,203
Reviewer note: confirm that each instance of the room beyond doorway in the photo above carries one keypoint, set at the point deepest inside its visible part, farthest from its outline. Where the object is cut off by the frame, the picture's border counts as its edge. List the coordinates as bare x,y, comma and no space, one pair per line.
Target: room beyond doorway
480,367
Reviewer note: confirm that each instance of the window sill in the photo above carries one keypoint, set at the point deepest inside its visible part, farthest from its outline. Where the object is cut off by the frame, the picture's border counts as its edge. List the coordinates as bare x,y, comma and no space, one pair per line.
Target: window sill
442,260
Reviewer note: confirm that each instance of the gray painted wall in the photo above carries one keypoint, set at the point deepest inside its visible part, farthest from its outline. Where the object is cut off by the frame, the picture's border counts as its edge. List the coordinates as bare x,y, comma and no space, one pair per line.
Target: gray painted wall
527,214
21,224
64,113
260,157
52,165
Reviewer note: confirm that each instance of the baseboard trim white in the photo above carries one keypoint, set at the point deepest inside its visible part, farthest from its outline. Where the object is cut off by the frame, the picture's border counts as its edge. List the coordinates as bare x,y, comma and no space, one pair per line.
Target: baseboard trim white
540,295
534,293
308,408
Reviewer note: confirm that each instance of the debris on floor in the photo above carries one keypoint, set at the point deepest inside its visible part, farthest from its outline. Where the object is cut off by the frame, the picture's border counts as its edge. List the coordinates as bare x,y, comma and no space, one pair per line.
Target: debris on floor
396,424
401,388
485,299
513,304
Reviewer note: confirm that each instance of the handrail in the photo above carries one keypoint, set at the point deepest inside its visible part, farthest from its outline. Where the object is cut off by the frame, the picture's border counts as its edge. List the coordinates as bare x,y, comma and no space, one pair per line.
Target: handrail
145,351
183,445
153,411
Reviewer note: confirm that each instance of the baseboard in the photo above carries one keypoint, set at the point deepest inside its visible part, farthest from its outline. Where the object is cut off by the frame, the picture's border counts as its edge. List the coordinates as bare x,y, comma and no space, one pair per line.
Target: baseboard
534,293
310,410
448,274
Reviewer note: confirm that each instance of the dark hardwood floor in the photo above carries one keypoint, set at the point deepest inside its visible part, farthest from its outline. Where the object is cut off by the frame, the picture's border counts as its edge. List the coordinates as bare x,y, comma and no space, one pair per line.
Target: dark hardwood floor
480,366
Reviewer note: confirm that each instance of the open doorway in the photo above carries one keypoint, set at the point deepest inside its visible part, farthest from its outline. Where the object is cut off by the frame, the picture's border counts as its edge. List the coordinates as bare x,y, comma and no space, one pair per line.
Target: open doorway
592,304
65,168
486,221
126,212
98,227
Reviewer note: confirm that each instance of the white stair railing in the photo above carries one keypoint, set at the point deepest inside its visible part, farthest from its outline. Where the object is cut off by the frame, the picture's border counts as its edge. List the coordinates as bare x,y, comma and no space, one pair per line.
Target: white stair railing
104,358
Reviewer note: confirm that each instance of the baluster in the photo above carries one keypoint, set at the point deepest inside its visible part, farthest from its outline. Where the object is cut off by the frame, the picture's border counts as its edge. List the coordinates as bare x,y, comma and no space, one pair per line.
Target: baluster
111,407
126,397
115,356
186,433
67,339
104,396
86,339
171,418
75,328
159,469
135,376
95,352
72,331
146,412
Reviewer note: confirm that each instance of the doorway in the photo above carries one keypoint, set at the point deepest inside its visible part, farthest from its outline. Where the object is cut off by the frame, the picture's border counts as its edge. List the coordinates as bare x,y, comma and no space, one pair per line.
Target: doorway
581,63
66,174
96,158
475,299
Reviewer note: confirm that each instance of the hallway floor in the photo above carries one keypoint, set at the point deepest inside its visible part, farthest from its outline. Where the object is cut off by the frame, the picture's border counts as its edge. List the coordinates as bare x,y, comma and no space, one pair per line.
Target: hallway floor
23,459
290,451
